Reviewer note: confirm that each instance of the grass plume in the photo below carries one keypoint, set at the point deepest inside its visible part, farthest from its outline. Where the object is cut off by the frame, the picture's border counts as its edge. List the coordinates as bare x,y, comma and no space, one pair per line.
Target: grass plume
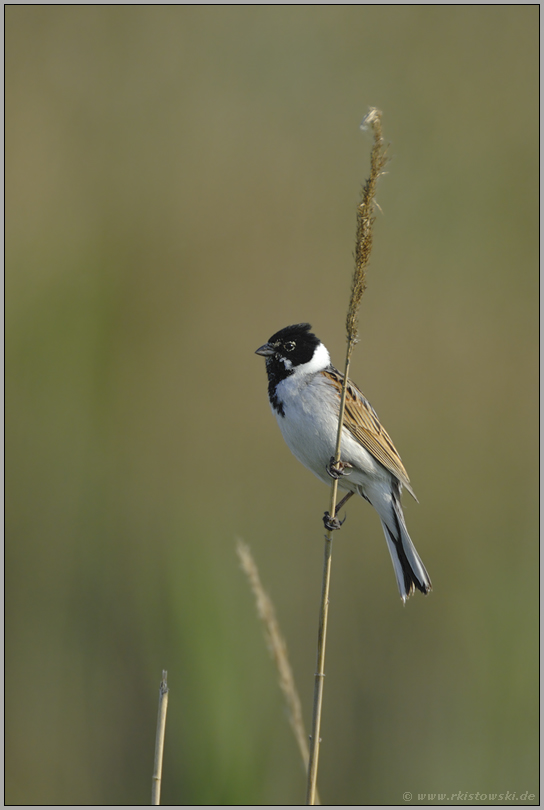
277,646
365,222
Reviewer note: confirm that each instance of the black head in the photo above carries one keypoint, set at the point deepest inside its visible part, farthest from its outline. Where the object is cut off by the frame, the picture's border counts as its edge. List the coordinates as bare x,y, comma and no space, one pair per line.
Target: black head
290,347
287,349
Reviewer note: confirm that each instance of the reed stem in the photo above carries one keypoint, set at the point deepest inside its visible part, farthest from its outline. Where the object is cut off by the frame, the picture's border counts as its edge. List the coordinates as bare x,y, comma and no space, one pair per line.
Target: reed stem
159,741
363,245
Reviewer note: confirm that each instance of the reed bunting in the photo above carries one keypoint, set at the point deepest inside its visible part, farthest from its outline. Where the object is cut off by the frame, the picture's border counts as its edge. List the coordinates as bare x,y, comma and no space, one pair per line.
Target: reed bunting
304,392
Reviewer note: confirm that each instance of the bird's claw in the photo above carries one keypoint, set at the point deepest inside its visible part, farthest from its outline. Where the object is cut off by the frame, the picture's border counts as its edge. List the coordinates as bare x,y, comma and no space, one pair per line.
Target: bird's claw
332,523
336,469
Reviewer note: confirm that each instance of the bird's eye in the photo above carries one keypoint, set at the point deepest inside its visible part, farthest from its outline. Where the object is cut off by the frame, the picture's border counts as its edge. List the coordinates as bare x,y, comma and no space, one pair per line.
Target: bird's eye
289,346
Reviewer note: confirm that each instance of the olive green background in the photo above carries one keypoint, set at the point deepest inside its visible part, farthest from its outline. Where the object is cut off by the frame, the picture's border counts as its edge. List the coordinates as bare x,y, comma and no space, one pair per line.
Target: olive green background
181,182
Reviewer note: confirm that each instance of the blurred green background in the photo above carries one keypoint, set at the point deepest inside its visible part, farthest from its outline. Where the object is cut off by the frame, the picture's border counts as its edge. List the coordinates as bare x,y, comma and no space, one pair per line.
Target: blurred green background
181,182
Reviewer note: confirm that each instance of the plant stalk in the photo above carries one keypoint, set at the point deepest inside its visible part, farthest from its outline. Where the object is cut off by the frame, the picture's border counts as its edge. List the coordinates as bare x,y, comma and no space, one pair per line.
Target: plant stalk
319,684
365,221
159,741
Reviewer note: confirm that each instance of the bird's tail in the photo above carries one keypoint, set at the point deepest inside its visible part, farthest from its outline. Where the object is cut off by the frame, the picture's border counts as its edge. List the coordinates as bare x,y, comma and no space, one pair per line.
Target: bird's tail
409,570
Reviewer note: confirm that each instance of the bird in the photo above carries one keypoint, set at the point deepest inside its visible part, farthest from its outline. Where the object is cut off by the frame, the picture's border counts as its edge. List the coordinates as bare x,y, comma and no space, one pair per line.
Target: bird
304,391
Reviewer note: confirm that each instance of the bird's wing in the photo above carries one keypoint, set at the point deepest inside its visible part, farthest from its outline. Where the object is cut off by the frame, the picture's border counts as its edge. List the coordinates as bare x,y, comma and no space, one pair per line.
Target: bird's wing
362,421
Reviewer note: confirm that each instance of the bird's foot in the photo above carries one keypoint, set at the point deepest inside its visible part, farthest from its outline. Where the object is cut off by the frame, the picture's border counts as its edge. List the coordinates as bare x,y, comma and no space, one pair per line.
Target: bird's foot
332,523
338,469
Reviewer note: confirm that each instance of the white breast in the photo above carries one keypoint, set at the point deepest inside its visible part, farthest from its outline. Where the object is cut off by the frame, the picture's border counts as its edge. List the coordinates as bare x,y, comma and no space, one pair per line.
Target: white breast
310,425
310,422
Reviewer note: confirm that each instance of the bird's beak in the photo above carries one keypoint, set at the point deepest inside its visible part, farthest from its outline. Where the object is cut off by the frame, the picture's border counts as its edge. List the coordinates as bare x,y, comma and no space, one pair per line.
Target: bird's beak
266,350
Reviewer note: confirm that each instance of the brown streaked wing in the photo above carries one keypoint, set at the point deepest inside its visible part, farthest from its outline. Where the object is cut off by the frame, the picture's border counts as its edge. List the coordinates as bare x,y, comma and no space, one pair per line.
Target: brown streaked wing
362,422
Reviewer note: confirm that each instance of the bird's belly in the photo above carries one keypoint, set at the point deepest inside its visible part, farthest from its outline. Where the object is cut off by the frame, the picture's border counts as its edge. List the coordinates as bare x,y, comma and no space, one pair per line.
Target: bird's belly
310,431
311,438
